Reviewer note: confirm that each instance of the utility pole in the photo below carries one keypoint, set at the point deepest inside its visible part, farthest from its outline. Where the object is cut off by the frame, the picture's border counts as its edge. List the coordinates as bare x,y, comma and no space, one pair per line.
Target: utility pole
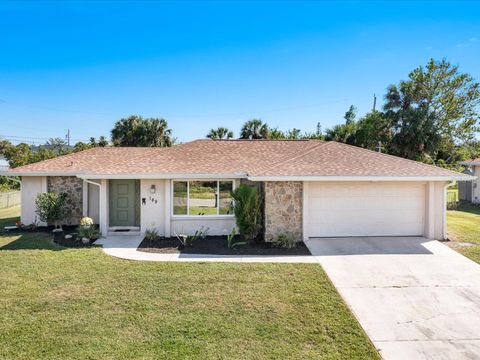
319,129
374,102
379,147
68,137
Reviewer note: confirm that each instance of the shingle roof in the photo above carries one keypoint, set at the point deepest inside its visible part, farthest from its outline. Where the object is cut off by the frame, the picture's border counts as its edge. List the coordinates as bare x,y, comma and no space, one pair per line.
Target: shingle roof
471,162
253,158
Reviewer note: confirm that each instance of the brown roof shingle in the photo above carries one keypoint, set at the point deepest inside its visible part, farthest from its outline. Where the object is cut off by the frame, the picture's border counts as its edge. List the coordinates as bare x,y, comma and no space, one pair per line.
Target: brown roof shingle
255,158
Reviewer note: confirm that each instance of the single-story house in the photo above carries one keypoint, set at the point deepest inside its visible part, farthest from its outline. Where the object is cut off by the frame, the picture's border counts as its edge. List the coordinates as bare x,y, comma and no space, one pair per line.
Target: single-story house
312,188
470,190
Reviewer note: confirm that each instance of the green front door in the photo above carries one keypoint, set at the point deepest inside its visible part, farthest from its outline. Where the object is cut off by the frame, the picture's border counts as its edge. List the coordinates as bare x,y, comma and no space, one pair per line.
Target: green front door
123,207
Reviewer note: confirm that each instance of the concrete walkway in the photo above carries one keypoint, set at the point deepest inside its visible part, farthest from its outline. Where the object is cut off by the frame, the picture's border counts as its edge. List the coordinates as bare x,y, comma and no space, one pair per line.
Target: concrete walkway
415,298
125,247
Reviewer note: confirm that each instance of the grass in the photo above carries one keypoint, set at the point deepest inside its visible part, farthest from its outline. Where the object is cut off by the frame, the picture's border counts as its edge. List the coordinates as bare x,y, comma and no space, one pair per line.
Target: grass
80,303
463,225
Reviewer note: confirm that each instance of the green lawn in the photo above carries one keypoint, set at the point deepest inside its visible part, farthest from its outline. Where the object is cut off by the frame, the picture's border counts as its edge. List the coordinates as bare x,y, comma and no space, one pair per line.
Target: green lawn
82,304
463,225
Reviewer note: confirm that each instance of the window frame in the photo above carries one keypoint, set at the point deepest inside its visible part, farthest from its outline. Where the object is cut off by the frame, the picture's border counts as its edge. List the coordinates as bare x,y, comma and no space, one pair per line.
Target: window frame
187,215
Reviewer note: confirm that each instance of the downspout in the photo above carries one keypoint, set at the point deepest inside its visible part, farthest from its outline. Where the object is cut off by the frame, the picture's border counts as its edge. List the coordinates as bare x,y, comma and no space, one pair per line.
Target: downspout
92,182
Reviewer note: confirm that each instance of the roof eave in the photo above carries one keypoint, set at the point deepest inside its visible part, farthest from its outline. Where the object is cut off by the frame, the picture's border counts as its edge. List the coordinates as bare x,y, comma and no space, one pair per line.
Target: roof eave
36,173
459,177
165,176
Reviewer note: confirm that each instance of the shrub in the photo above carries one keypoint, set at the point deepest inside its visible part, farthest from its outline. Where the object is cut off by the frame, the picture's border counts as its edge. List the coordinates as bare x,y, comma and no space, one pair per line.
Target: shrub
90,232
186,240
248,211
151,234
200,233
51,207
285,241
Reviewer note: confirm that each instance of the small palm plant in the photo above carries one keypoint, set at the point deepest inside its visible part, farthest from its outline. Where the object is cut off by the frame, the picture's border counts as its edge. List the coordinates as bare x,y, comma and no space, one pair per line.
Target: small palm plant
231,243
248,208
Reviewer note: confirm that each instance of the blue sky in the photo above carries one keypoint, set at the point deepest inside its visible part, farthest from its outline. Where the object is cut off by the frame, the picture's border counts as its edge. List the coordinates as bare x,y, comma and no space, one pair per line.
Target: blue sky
82,66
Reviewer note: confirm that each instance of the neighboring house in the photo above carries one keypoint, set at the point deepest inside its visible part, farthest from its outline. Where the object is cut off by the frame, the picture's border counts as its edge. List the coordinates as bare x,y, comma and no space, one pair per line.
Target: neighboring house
3,163
312,188
470,190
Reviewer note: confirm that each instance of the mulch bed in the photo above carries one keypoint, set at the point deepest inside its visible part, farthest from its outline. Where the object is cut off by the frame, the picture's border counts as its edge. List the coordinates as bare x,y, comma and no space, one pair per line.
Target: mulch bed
58,237
217,245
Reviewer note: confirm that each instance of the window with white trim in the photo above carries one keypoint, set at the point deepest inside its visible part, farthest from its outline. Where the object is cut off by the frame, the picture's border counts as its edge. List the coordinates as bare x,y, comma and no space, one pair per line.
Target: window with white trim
202,197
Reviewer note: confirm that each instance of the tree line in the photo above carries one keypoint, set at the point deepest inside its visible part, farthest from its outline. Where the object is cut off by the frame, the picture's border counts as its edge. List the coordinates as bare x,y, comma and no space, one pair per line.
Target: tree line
432,116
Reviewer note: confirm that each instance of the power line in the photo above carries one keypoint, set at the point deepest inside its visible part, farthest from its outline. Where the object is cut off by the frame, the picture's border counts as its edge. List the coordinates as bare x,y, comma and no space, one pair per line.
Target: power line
31,139
243,113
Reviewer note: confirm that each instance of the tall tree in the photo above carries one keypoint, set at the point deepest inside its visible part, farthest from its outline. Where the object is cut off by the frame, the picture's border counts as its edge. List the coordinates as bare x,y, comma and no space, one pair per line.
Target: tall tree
220,133
350,115
373,130
254,129
436,108
22,154
58,145
137,131
344,132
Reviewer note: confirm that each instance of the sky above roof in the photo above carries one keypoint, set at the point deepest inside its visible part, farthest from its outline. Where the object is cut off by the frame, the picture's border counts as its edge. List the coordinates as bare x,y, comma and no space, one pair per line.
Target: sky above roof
82,66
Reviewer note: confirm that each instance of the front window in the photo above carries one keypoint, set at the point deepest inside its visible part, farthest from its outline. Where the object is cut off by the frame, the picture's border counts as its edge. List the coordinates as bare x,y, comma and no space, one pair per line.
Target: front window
202,198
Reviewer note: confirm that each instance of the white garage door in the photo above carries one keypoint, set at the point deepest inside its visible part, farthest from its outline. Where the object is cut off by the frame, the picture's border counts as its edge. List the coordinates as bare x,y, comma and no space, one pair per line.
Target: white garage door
365,209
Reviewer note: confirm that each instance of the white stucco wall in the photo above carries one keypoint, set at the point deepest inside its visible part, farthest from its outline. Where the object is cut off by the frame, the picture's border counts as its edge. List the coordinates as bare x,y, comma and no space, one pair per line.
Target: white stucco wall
476,185
440,210
435,210
93,203
152,206
218,226
30,188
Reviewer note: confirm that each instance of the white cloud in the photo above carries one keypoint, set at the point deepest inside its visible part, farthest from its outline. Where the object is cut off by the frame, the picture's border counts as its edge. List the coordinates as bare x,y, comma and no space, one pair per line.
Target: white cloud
428,48
462,45
473,39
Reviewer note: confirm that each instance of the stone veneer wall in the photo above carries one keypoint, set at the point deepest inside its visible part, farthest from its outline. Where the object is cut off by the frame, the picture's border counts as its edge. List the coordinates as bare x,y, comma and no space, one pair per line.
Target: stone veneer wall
283,209
73,186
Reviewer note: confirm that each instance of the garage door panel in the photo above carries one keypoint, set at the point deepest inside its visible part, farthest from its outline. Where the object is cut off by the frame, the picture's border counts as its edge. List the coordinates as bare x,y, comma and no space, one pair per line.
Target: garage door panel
366,209
358,218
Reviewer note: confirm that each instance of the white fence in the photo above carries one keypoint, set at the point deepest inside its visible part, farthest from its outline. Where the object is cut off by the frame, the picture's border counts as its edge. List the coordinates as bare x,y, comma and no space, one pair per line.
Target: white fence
9,199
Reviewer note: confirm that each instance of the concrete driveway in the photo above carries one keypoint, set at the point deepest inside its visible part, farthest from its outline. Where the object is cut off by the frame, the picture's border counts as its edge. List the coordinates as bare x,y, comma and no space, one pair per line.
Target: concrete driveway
415,298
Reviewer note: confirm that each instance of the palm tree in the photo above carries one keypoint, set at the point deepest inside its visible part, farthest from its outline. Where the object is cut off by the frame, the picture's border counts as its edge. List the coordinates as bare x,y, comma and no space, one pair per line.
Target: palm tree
136,131
125,131
254,129
157,133
220,133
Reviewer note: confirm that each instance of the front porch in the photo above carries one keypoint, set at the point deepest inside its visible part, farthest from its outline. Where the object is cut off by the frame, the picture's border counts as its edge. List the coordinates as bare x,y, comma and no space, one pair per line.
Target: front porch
128,207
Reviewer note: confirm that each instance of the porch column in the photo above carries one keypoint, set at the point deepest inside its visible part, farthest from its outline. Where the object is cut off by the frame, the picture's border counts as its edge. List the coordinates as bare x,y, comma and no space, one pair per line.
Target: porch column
103,215
305,210
85,198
